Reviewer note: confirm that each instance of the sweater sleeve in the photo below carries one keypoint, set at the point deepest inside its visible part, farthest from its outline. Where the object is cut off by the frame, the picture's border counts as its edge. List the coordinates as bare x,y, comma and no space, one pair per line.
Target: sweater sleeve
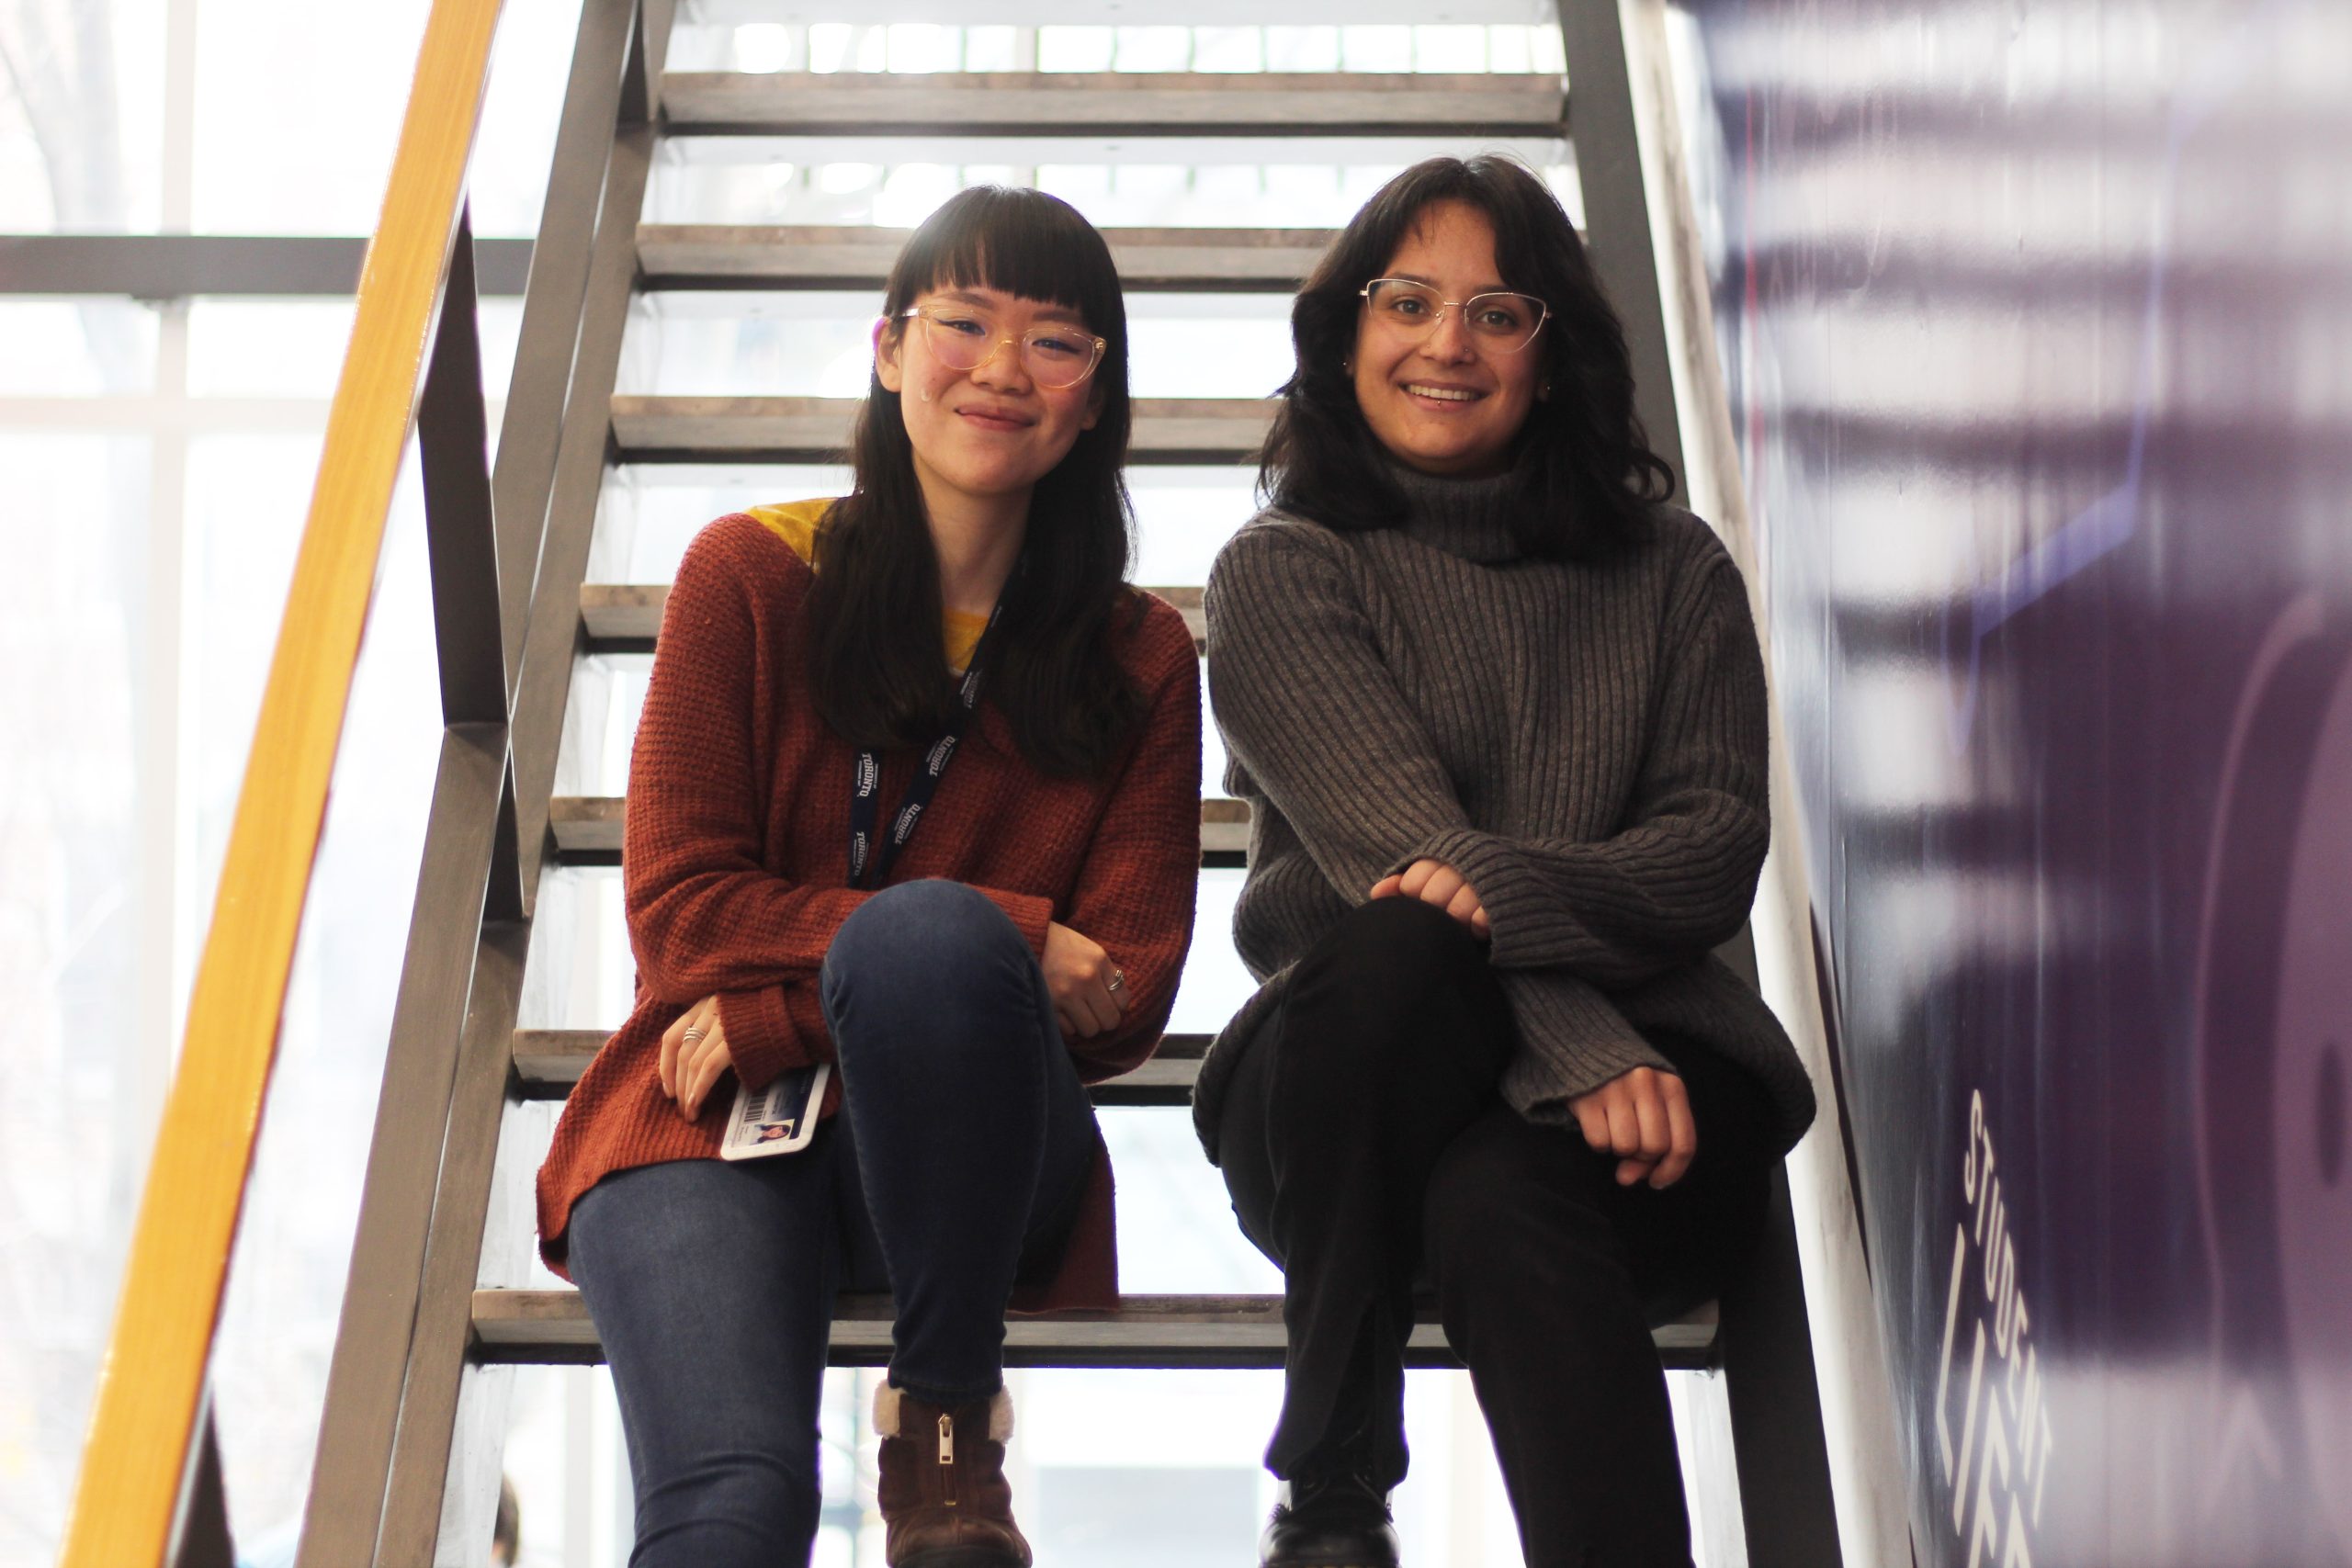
1681,878
1136,892
706,914
1310,711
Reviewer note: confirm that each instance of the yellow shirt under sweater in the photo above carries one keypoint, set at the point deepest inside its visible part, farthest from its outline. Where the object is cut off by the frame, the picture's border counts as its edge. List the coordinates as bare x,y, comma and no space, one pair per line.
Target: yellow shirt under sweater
796,522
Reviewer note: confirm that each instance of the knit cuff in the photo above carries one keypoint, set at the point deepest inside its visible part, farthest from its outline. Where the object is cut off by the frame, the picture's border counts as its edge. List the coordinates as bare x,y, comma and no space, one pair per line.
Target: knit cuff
1030,913
1540,1089
1528,924
762,1035
1572,1040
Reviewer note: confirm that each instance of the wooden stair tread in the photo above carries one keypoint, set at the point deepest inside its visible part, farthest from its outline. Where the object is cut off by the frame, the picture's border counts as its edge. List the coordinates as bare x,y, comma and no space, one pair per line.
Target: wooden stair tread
591,824
548,1062
651,429
1268,104
1236,1331
725,255
626,618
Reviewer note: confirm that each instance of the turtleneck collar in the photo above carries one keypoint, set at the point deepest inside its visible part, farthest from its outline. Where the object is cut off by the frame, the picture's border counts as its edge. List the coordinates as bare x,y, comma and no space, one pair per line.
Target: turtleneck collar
1469,518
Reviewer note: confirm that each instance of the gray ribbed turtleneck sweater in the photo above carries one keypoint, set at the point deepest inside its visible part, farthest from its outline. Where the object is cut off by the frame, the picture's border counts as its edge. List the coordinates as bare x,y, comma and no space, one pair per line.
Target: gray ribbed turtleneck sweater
1584,741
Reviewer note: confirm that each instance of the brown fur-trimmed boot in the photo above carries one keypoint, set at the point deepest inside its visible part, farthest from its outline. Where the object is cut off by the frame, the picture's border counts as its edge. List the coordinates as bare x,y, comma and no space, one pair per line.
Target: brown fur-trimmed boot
945,1503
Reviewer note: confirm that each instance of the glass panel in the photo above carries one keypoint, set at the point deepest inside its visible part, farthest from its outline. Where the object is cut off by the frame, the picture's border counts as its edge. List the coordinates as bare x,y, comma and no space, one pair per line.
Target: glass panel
1185,516
264,68
84,803
247,497
1303,49
1153,48
1376,48
80,136
500,322
748,346
1229,49
81,348
529,67
262,71
1177,1235
650,513
569,1473
266,348
293,1247
1450,49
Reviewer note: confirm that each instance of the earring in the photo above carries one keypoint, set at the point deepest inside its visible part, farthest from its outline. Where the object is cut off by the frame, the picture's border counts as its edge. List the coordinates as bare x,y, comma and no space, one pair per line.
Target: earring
1543,392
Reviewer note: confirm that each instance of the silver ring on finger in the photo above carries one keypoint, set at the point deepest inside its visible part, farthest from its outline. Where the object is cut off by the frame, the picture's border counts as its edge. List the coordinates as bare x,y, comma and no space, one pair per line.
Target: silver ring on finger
1118,982
691,1035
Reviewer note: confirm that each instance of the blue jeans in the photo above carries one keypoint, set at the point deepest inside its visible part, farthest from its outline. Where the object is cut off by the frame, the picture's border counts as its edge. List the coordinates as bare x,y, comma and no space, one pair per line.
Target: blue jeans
960,1160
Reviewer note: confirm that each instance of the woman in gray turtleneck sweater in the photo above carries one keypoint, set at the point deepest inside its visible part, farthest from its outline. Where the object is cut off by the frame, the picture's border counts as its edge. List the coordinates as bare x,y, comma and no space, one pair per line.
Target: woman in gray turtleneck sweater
1499,715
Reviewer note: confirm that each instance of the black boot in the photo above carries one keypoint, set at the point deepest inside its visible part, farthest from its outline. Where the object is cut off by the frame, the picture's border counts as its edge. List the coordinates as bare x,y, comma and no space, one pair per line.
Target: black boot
1332,1515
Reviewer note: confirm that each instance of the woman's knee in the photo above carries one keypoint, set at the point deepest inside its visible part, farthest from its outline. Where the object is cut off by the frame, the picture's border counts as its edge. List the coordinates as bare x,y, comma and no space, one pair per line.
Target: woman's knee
1372,996
927,918
932,943
1393,949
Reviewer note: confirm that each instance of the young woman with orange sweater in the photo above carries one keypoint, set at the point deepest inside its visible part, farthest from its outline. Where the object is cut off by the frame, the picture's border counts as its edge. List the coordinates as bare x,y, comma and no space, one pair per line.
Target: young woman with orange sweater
915,797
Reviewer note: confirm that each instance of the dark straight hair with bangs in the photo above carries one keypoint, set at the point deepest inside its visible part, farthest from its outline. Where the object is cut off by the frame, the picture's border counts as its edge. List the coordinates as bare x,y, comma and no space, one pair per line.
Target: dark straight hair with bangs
1585,473
876,648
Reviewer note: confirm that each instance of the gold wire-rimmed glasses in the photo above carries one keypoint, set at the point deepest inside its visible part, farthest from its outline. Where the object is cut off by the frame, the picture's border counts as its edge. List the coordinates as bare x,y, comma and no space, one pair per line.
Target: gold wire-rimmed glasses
1055,355
1504,323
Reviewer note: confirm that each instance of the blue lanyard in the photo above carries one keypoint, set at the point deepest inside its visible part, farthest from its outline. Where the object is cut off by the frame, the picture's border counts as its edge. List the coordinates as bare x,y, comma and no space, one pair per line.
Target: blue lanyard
866,782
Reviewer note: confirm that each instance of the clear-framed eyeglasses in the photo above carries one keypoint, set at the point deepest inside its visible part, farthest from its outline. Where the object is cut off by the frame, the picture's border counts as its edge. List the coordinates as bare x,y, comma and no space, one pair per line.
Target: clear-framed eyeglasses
1055,355
1503,323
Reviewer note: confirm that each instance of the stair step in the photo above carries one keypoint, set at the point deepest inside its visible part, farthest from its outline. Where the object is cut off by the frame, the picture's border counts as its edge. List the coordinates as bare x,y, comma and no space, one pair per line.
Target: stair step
626,618
815,430
718,256
549,1061
588,829
1269,104
1145,1331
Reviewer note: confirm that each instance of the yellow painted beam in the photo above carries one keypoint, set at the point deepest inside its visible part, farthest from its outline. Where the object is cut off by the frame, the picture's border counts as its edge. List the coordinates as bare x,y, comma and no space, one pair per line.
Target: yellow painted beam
155,1363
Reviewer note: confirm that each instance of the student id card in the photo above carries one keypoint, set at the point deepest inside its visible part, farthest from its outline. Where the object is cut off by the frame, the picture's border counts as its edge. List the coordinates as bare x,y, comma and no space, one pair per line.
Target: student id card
780,1119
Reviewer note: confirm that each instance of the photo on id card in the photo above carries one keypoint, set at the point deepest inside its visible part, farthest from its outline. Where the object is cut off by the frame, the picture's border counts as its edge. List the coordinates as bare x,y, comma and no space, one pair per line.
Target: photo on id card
780,1119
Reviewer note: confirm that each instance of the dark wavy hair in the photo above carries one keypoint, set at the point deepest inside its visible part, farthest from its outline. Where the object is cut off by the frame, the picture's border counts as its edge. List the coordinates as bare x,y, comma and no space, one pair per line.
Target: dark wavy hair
877,653
1585,472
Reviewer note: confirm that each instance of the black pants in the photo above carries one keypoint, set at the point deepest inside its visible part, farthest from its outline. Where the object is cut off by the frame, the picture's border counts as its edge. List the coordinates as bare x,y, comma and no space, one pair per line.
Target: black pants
1366,1149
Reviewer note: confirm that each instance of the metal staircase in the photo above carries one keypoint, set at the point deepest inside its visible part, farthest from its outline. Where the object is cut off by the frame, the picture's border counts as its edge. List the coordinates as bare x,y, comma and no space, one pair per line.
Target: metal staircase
408,1458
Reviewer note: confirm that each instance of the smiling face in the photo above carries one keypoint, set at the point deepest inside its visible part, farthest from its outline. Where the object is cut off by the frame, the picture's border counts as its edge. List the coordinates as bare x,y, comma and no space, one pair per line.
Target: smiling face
987,434
1445,402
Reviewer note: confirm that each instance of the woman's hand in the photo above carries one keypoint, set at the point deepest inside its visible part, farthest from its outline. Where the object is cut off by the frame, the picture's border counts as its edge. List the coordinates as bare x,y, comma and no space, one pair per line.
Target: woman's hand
1089,994
1643,1118
694,1052
1434,882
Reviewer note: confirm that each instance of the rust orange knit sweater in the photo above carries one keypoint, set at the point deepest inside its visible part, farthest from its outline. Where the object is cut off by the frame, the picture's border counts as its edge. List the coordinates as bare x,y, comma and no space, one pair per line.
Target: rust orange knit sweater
734,861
